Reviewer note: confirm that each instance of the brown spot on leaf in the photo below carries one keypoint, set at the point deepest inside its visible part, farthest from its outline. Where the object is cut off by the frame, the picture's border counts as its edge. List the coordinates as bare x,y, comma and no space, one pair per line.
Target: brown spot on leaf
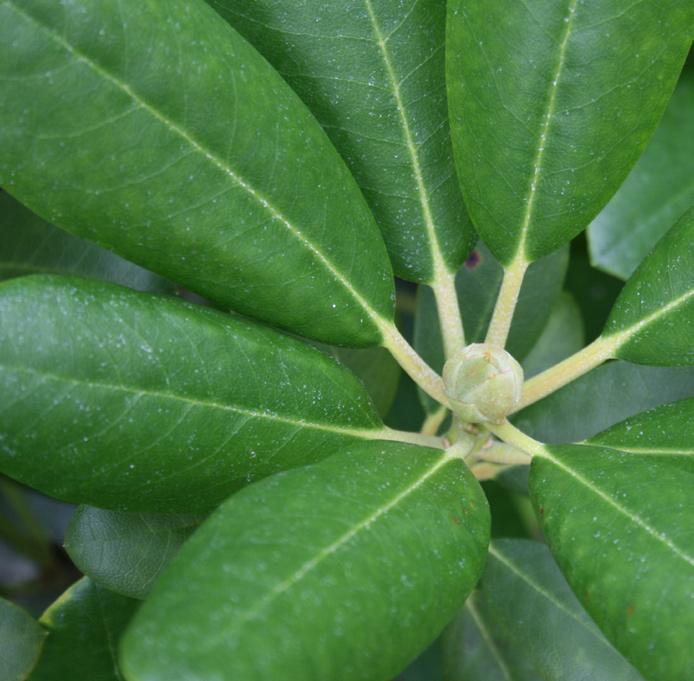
630,610
473,260
456,520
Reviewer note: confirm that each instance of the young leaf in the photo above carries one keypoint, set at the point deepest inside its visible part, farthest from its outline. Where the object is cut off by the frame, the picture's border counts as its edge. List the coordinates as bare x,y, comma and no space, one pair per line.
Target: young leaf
363,558
125,400
668,429
126,552
84,626
30,245
21,639
551,104
478,282
658,190
598,400
173,142
622,530
562,336
524,623
652,321
372,71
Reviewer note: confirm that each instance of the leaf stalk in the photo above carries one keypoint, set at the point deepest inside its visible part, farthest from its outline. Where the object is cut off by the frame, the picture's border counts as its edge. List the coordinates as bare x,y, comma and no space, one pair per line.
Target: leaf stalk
506,301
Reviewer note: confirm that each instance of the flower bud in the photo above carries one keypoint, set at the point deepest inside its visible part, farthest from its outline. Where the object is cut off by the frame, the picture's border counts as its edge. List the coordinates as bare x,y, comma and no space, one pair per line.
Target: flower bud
483,383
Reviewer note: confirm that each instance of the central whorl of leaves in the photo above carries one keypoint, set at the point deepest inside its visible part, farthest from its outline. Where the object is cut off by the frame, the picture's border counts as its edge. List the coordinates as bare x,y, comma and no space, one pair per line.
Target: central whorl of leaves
483,383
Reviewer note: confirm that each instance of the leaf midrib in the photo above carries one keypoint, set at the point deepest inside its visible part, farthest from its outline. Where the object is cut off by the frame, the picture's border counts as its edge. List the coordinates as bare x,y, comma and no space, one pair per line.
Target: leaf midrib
512,567
619,337
210,156
364,433
435,250
487,638
633,517
541,144
646,451
324,553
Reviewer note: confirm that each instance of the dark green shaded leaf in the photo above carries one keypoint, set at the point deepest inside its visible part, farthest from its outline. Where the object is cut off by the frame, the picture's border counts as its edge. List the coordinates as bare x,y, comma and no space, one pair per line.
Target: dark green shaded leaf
30,245
562,336
668,429
84,626
478,282
621,527
658,190
21,639
652,321
524,624
376,547
126,552
131,401
372,71
200,164
551,104
598,400
594,291
377,370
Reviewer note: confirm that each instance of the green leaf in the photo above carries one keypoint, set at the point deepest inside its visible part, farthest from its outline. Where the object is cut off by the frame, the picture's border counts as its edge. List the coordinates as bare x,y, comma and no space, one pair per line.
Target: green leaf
622,530
594,291
551,104
376,368
364,557
601,398
126,552
21,639
137,402
372,72
224,183
668,429
658,190
652,321
478,282
524,623
562,336
84,626
30,245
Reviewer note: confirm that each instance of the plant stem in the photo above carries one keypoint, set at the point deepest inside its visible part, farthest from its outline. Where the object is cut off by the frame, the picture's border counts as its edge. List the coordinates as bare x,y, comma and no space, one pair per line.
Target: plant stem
503,453
570,369
412,438
418,370
433,422
448,308
510,434
506,302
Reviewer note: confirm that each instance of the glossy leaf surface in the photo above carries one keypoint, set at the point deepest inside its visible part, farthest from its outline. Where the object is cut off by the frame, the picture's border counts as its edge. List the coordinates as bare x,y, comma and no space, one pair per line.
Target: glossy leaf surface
126,552
524,623
376,546
652,321
84,626
30,245
372,71
667,429
551,104
621,527
172,141
478,282
138,402
21,639
601,398
658,190
562,336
